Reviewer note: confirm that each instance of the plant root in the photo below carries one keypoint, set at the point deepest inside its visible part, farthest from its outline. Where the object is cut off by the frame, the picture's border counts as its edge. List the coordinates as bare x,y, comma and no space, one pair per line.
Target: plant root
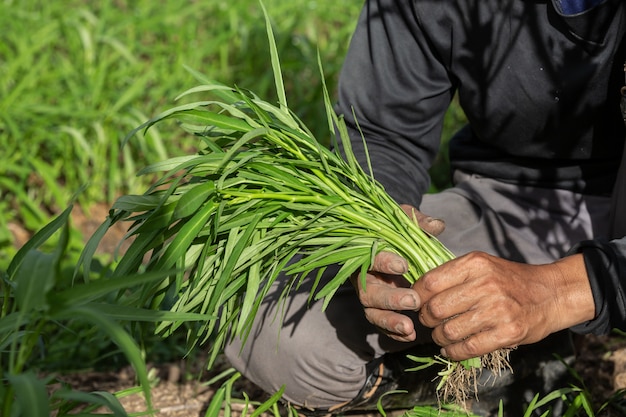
462,382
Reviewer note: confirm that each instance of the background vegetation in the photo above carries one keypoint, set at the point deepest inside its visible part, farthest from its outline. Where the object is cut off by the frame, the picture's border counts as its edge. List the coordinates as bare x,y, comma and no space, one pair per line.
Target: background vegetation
75,78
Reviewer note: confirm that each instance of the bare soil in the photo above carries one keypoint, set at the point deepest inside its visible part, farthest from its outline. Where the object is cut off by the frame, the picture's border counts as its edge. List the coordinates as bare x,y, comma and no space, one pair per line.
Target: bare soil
601,360
601,364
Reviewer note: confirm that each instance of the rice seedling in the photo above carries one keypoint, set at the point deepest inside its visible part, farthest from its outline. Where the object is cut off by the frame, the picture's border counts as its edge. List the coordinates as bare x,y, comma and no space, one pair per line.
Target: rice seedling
260,197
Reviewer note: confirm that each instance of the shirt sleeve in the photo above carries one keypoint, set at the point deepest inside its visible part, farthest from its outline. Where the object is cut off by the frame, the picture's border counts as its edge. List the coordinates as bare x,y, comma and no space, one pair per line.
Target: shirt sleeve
393,94
606,267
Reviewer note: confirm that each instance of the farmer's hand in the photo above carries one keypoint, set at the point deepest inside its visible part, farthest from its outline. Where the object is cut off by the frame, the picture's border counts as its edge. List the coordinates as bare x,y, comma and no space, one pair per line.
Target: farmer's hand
387,292
479,303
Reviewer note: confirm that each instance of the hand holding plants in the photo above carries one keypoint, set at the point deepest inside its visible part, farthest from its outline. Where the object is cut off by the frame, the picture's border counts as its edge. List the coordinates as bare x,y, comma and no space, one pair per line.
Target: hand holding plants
386,293
479,303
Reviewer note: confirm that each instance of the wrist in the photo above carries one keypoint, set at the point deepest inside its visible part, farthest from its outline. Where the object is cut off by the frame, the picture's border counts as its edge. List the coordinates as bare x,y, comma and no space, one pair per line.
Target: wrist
574,298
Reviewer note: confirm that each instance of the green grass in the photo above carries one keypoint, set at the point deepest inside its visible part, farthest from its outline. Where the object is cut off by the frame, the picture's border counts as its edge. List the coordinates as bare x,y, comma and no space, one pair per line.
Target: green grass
77,76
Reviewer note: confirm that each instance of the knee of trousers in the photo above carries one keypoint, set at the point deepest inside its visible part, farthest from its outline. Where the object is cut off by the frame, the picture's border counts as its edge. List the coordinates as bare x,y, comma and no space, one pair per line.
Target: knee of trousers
313,375
318,355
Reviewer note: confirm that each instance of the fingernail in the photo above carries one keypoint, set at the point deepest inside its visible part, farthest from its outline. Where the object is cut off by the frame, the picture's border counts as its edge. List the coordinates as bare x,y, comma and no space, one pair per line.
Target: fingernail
409,302
435,220
443,352
400,328
397,266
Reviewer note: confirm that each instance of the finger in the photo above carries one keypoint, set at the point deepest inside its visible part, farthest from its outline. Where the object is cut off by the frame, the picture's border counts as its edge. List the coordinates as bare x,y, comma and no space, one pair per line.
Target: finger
451,274
476,345
427,223
388,298
458,301
376,280
390,263
395,325
458,328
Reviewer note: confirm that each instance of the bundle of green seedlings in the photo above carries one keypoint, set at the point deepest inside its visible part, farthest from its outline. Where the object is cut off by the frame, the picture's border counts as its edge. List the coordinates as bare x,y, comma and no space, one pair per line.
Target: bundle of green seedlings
262,197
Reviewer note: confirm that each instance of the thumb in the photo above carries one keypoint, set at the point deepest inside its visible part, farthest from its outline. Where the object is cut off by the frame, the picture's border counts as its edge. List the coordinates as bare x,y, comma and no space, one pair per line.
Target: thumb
427,223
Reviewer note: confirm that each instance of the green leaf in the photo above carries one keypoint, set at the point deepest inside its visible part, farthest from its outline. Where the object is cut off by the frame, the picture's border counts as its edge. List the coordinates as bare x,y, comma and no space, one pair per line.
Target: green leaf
178,247
84,293
235,245
98,398
9,323
129,313
172,164
221,91
222,375
587,406
118,335
134,255
88,252
215,406
252,289
537,403
278,76
216,120
347,269
340,255
425,362
31,394
38,239
133,203
157,219
192,199
34,279
269,403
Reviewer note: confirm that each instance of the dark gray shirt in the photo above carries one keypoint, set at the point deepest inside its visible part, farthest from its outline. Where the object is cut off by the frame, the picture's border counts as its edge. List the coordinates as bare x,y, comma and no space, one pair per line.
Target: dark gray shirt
540,88
540,91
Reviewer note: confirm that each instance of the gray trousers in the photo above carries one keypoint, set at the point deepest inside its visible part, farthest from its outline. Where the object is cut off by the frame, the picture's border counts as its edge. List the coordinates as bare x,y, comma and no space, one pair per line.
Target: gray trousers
320,356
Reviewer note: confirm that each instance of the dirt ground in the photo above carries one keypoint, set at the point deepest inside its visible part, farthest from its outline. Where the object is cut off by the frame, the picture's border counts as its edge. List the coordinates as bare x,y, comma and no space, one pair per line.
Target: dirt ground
601,361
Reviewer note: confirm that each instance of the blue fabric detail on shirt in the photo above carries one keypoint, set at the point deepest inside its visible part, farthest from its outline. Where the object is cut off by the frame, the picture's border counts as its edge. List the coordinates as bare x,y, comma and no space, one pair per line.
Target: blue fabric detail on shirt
569,7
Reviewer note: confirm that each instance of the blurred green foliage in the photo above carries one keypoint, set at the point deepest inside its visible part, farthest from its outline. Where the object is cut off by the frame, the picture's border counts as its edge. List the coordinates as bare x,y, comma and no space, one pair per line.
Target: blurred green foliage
77,76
